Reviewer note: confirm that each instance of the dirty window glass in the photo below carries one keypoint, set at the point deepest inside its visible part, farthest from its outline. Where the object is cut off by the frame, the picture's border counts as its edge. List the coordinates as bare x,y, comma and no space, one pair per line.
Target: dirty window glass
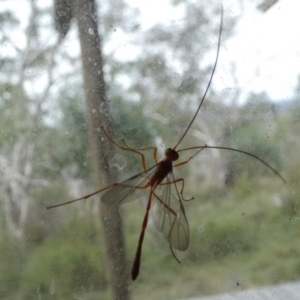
89,89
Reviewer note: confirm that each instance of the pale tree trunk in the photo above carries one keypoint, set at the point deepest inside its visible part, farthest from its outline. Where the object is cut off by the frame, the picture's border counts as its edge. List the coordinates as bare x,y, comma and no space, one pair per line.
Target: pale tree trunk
86,15
17,176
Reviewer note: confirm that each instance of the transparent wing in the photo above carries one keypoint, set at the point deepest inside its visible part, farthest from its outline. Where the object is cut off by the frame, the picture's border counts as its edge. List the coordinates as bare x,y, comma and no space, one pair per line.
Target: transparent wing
169,214
123,192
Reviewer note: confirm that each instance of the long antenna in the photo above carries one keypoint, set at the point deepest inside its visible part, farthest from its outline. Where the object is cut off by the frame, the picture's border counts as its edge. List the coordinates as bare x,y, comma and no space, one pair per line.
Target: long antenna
236,150
210,80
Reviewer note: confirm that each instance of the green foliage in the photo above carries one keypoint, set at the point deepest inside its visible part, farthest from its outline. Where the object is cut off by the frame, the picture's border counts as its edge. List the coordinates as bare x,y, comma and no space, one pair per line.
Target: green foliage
211,192
129,122
12,108
291,195
248,231
223,238
73,145
65,264
7,18
250,139
12,259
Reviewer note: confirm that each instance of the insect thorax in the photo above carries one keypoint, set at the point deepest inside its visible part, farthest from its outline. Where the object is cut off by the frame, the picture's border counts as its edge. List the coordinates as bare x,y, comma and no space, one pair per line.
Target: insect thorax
171,154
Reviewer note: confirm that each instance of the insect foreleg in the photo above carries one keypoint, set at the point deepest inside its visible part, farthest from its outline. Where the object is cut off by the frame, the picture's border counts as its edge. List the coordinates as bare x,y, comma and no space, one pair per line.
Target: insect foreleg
186,161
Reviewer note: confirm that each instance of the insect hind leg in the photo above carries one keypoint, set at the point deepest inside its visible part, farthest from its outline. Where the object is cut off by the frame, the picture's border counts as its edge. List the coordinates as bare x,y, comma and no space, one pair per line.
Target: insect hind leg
186,161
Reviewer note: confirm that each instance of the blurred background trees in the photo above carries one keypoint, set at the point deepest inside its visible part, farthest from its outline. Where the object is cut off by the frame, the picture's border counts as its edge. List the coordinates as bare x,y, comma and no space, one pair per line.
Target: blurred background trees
153,93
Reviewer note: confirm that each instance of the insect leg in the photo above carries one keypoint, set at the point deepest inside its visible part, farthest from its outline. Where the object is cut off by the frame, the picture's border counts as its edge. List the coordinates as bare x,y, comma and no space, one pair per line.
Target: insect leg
182,187
164,204
126,148
97,192
84,197
186,161
143,149
172,226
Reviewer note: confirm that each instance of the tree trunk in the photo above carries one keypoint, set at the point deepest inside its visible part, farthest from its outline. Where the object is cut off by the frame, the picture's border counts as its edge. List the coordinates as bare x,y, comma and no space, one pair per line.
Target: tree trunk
86,15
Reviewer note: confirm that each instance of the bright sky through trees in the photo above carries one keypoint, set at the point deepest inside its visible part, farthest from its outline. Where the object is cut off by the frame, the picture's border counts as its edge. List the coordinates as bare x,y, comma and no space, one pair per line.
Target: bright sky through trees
264,49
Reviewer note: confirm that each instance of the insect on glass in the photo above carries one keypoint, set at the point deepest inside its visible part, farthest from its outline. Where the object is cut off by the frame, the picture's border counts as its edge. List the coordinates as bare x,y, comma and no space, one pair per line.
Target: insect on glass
165,198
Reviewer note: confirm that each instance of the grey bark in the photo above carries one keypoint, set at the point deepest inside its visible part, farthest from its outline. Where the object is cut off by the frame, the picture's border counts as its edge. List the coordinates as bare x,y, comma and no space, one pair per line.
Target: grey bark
98,114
